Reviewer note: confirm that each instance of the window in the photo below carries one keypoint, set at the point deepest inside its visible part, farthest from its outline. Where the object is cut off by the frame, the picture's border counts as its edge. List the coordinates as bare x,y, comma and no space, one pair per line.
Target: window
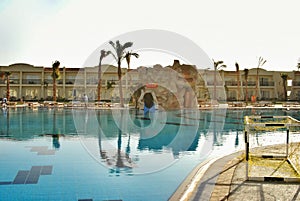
265,95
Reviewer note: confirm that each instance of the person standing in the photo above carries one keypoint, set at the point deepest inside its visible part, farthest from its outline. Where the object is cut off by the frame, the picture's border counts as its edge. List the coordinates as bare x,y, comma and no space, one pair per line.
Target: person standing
4,102
86,100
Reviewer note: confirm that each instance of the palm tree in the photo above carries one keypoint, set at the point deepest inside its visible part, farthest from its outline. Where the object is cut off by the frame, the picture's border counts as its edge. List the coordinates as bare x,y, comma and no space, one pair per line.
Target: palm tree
238,80
120,51
261,62
127,57
5,75
55,75
103,54
217,66
284,77
246,72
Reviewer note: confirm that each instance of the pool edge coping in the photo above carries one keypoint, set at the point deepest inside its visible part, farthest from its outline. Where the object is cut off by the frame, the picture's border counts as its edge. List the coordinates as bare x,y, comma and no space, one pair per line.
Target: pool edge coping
187,188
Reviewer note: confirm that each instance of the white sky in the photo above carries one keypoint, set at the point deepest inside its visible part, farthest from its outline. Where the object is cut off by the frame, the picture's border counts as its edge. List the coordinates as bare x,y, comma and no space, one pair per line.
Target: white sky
41,31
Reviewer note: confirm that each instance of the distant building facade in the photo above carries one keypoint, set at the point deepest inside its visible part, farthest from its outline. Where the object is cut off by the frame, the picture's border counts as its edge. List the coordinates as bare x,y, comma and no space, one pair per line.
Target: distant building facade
30,82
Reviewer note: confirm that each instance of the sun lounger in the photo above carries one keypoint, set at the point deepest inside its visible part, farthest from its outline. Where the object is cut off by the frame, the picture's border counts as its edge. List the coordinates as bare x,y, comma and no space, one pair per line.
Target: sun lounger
11,104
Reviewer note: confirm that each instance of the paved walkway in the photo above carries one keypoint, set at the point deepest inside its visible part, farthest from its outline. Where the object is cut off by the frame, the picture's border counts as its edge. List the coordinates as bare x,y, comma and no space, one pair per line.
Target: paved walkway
225,179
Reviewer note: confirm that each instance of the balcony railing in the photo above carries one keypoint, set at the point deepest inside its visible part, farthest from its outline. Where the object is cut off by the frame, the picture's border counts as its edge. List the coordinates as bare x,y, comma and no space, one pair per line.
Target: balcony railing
74,81
48,81
231,83
211,83
94,82
31,81
14,81
296,83
266,83
11,81
250,83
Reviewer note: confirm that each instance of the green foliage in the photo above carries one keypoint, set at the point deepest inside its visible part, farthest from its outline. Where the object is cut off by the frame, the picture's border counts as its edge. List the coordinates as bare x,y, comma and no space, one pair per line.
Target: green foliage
55,70
5,74
110,84
119,49
218,65
246,71
128,56
237,67
284,76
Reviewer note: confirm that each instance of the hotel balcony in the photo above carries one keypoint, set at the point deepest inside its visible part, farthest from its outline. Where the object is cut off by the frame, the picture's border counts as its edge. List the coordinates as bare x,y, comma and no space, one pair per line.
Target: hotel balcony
296,83
218,83
50,81
231,83
74,81
31,81
250,83
11,81
95,82
266,84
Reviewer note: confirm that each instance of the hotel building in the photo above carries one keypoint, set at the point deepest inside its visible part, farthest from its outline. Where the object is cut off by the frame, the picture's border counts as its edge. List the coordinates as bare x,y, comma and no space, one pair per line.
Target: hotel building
30,82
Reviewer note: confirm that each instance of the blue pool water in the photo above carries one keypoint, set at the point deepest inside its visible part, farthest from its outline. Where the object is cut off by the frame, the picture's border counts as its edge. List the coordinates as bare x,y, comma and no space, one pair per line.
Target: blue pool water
111,155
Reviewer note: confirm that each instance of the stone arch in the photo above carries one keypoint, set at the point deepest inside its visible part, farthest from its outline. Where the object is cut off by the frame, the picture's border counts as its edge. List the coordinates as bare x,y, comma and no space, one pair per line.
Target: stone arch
148,99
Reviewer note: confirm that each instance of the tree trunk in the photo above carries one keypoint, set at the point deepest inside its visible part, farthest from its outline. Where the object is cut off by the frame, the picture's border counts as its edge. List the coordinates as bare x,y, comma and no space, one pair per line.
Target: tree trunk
284,89
99,83
246,91
120,83
54,88
257,83
215,84
7,88
238,85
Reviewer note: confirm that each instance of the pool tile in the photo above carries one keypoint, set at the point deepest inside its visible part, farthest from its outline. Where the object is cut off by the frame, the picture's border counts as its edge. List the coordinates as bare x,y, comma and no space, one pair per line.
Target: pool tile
34,175
112,200
46,152
30,177
5,182
21,177
47,170
38,148
41,150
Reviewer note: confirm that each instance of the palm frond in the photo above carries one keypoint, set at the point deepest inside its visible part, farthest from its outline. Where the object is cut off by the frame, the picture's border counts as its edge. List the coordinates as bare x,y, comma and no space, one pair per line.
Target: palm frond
284,76
109,52
237,66
246,72
261,62
7,74
103,54
127,45
223,66
112,44
118,44
136,55
56,64
218,63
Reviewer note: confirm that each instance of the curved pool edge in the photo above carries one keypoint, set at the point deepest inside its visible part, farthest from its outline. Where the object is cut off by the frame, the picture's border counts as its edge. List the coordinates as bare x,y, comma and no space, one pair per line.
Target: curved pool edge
189,187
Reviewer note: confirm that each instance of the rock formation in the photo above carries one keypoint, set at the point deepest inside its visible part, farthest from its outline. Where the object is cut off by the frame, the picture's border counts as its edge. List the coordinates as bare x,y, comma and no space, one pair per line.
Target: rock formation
175,84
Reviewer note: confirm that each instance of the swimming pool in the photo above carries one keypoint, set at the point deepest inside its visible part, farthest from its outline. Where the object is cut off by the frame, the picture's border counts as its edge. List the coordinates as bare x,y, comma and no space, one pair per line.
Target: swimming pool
49,154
